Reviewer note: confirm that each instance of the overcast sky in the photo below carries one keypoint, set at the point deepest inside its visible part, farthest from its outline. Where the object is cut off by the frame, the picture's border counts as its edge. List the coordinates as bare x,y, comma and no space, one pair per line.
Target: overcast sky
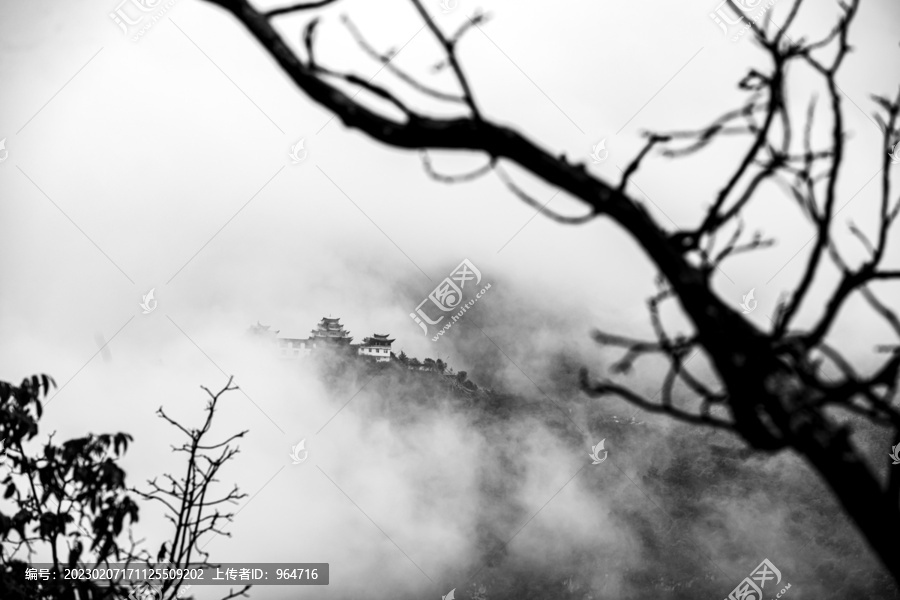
164,163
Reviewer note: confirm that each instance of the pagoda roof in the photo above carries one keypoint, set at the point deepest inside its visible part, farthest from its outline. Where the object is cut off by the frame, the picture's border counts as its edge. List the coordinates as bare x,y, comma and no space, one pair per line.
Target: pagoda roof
259,328
331,320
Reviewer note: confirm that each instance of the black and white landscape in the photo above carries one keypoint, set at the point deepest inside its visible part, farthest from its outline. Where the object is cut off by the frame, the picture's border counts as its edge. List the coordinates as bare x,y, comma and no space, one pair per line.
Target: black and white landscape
468,300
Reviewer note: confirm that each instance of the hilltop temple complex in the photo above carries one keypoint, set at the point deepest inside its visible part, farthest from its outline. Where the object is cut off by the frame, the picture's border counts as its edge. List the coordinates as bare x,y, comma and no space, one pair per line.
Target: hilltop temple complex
329,333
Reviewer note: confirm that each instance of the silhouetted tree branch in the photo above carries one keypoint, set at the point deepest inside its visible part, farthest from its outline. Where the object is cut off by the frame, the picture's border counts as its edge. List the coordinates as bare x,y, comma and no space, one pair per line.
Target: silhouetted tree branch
191,504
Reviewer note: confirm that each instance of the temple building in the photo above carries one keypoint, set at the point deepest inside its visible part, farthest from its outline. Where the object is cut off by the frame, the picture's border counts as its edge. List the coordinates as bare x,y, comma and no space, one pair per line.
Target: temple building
294,347
287,347
264,332
377,346
330,331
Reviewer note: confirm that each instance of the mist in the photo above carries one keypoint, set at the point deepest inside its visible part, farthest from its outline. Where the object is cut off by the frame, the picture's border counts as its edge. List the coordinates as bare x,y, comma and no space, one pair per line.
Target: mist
164,165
